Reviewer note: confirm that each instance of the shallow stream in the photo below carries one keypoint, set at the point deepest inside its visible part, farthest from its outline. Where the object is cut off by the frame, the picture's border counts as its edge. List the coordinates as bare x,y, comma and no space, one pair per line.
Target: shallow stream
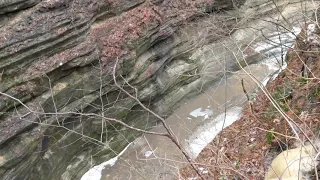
195,122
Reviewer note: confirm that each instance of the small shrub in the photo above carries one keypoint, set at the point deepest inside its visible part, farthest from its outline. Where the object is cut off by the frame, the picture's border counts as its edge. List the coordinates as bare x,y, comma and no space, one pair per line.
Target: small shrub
303,81
270,136
283,96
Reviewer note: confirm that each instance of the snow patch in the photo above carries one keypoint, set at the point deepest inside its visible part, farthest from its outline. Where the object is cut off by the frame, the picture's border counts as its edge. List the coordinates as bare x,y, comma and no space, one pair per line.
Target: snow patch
311,37
193,178
311,29
95,173
276,51
203,170
201,113
147,153
206,133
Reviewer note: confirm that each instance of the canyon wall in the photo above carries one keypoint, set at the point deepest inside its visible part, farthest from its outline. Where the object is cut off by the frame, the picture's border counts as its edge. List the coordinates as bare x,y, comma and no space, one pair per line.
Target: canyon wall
57,60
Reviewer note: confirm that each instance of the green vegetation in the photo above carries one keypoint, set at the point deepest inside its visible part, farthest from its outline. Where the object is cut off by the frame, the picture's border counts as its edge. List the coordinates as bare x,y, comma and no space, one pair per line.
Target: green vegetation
270,136
303,81
283,96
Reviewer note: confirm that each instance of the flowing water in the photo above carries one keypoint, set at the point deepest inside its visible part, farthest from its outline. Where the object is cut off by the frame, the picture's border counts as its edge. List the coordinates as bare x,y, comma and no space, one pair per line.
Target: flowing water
196,122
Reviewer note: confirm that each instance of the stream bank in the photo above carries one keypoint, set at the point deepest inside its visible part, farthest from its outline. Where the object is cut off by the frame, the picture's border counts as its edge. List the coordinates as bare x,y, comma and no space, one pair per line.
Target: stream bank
245,149
197,121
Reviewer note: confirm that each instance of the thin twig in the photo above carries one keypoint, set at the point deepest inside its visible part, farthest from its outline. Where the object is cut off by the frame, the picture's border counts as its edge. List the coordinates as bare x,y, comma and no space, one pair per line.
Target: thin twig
170,133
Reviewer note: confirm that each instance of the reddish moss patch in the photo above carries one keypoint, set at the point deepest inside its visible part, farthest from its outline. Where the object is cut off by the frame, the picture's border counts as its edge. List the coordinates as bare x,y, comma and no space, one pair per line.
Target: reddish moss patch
113,34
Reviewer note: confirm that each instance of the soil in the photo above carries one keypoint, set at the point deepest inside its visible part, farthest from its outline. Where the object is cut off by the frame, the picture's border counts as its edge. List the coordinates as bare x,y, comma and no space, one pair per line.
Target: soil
245,149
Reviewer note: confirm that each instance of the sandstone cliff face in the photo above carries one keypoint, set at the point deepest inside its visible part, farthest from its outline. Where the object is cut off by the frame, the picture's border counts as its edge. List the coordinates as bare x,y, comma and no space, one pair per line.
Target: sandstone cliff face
57,57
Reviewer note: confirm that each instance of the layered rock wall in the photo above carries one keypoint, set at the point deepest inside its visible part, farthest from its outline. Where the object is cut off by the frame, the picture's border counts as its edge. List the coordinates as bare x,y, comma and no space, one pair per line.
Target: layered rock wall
57,57
56,73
